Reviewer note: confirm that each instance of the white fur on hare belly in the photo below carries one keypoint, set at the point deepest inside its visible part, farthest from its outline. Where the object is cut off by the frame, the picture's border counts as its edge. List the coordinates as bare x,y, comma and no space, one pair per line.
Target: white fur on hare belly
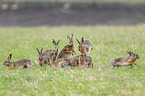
124,64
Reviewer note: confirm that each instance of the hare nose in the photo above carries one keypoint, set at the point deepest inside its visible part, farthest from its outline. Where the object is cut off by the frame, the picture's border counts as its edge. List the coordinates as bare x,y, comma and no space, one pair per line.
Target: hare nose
40,59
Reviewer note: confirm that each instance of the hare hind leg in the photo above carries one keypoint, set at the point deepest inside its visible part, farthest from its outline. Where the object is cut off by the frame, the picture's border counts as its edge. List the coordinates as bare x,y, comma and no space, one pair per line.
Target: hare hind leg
30,66
133,63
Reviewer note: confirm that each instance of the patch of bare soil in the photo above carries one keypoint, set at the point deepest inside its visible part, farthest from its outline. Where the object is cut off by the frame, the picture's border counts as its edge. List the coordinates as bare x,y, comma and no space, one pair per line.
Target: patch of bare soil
56,14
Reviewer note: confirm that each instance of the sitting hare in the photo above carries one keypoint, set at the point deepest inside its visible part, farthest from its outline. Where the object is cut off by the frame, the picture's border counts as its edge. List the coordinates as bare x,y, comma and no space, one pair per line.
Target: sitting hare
42,59
125,61
52,53
85,46
22,63
68,50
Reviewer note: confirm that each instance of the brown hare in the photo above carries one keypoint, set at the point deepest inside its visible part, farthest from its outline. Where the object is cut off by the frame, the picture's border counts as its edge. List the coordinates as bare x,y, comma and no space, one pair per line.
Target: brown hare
125,61
85,61
63,62
81,61
68,50
74,61
22,63
42,59
85,46
52,53
55,62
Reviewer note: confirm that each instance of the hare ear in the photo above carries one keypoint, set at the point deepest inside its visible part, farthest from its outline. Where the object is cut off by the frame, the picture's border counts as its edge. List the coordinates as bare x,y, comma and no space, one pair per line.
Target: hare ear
82,40
41,50
71,37
130,53
78,40
54,42
9,57
37,50
57,42
68,37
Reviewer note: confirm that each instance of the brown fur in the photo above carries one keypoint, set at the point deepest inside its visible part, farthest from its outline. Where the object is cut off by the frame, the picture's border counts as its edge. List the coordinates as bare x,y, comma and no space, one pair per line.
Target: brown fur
68,50
125,61
23,63
59,62
42,59
52,53
74,61
85,46
85,61
81,61
64,62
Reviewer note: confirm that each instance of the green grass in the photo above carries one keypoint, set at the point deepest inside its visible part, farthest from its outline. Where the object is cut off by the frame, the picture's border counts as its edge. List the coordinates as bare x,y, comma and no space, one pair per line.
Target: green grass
108,42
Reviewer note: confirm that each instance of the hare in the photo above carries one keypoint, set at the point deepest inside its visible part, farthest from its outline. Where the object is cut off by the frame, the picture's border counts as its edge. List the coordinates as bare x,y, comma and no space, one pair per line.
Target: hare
42,59
52,53
85,61
85,46
23,63
81,60
74,61
55,62
125,61
68,50
63,62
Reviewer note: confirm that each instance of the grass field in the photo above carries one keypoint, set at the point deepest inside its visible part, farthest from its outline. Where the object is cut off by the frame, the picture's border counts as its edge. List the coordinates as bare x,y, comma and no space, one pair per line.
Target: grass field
108,42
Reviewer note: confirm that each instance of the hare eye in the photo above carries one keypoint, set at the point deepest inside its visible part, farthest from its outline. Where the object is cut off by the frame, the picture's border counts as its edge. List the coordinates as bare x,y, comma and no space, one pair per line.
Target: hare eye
51,53
45,62
40,59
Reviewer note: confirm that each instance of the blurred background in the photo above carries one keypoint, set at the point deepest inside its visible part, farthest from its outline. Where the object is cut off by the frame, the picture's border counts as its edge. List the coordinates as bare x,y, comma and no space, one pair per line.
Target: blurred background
71,12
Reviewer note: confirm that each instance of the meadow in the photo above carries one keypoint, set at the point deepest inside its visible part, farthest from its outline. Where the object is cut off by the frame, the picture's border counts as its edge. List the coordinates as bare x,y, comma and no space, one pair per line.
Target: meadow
108,42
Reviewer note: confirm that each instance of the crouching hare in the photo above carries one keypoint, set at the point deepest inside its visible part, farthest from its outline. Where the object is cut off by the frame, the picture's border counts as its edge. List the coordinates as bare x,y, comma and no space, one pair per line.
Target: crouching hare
85,46
42,59
68,50
22,63
82,61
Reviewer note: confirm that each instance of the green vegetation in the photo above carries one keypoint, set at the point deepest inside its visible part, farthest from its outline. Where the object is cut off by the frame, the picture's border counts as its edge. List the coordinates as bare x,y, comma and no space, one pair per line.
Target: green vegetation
108,42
